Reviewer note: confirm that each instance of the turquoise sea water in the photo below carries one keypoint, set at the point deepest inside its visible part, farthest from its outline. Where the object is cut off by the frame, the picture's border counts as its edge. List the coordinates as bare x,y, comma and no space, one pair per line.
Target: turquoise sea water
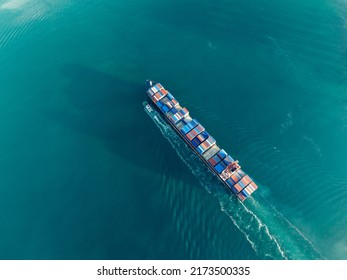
87,174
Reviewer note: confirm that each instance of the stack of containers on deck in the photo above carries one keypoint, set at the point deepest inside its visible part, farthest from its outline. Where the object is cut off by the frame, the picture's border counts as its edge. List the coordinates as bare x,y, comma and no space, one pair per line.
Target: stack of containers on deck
175,115
157,94
189,126
195,132
210,141
220,165
165,109
200,138
173,100
214,160
234,179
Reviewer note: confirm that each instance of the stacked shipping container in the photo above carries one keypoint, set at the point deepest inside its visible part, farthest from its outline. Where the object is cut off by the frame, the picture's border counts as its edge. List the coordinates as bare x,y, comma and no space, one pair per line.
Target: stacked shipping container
222,164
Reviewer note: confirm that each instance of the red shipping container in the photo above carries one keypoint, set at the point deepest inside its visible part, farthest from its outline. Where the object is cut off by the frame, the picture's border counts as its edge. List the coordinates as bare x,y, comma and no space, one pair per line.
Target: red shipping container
192,135
208,144
212,161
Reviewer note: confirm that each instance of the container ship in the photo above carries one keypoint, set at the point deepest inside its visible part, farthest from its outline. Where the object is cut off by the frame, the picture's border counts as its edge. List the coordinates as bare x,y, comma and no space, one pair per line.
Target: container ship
227,170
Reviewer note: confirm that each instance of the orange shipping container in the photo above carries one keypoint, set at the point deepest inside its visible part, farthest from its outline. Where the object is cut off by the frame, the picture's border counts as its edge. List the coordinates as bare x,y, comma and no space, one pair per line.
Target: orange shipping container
157,96
238,187
246,180
235,177
200,137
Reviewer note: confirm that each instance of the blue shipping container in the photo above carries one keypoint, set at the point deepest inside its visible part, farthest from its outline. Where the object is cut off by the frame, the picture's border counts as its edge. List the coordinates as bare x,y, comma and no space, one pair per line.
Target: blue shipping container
169,95
205,134
165,109
195,145
193,123
185,129
196,142
174,110
174,119
234,190
220,167
201,150
228,160
159,104
157,87
245,193
242,184
189,126
222,154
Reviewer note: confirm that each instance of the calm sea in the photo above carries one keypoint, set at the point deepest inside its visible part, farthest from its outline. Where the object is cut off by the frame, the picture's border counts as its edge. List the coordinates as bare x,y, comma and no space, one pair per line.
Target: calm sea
85,173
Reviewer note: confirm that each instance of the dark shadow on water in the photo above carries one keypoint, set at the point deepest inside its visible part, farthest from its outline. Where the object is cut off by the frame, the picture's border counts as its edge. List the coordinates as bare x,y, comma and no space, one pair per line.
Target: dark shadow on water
111,110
